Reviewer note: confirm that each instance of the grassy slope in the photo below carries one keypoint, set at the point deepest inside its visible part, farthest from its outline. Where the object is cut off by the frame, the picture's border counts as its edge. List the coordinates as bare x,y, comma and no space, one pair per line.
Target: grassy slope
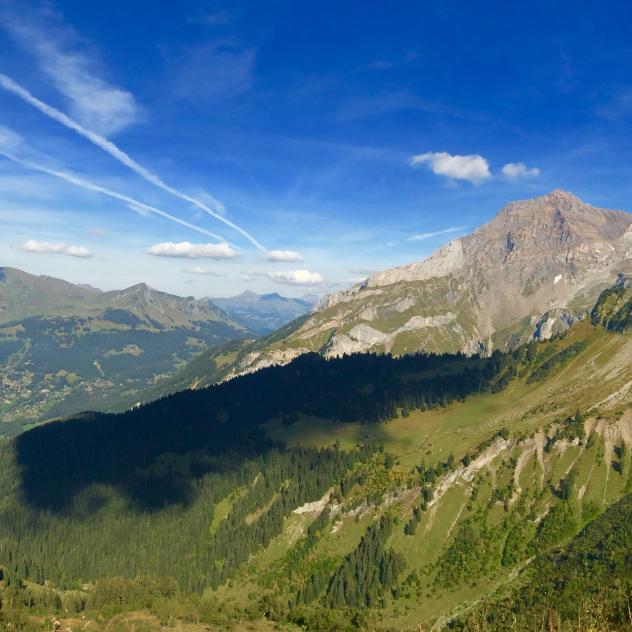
429,437
520,407
464,500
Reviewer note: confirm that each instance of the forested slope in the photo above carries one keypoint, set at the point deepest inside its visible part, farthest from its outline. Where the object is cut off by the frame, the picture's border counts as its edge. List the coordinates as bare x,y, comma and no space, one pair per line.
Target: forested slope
364,492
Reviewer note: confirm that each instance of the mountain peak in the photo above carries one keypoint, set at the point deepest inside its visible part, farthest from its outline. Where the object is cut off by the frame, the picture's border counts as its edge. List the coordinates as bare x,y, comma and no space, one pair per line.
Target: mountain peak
247,295
560,215
138,287
561,194
556,201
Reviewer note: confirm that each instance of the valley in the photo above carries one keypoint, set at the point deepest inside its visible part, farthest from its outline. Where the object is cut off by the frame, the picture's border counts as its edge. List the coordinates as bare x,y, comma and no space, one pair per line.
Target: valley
418,481
65,348
265,313
474,474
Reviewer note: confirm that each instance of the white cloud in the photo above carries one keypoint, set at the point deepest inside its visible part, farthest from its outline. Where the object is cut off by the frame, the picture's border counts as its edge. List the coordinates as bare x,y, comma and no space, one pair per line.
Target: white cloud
202,271
31,245
284,256
473,168
9,140
288,277
445,231
193,251
296,277
517,170
74,70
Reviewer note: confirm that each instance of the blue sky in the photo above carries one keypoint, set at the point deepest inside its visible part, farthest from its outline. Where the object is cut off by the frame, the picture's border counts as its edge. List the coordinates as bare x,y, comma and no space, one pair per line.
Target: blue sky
210,147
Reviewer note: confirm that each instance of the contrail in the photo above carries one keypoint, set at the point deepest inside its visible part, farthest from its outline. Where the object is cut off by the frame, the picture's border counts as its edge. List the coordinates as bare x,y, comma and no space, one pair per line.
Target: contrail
108,146
90,186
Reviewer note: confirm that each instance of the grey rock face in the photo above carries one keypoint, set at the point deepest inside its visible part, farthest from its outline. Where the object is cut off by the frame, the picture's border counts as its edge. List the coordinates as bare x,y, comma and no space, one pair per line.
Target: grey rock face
554,322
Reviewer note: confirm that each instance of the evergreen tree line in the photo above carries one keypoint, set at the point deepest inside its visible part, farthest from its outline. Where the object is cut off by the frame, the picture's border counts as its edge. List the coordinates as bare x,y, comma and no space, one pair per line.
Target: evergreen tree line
134,493
57,460
101,534
364,575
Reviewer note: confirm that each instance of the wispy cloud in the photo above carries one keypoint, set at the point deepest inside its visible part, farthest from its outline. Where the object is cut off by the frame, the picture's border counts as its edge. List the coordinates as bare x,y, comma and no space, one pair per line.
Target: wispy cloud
278,256
209,200
185,249
379,105
109,147
385,103
618,106
202,271
473,168
219,69
518,170
386,64
73,69
46,247
217,18
91,186
9,140
435,233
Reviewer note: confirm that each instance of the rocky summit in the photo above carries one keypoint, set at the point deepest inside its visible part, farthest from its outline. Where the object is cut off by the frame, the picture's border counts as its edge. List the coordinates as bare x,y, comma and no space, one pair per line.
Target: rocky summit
534,269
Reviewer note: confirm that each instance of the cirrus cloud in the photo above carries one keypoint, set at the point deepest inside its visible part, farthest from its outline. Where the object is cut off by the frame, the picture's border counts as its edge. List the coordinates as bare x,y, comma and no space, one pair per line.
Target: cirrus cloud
285,256
473,168
517,170
435,233
186,249
46,247
9,140
70,64
200,270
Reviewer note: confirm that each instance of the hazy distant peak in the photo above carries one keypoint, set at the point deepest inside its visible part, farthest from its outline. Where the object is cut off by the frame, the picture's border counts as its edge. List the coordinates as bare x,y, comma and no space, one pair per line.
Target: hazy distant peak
273,296
245,295
263,313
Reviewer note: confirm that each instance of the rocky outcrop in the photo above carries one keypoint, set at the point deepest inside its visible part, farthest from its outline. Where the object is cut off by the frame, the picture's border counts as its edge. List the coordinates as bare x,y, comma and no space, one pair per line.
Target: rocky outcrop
554,322
446,261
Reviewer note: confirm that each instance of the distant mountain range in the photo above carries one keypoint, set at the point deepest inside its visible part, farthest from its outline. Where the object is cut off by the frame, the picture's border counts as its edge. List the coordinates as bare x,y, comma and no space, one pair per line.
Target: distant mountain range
67,347
264,313
532,271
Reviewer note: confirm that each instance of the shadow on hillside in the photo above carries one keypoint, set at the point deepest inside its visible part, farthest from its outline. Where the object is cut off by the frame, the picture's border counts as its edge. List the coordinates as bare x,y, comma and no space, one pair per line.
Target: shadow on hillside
153,456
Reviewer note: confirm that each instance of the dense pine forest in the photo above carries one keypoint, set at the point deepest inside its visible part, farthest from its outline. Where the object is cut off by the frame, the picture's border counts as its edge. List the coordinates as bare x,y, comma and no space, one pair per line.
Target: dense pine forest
58,460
